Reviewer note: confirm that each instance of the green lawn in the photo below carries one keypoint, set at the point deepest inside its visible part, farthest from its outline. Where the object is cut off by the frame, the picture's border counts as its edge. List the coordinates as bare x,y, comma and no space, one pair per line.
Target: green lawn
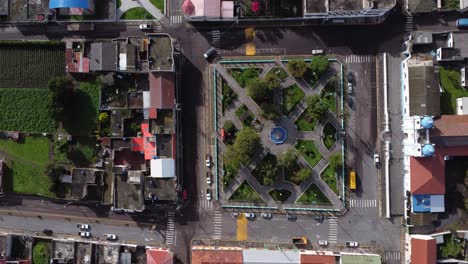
33,149
41,252
309,151
329,133
313,195
159,4
291,97
328,175
244,76
450,80
266,171
304,123
229,174
279,72
25,110
329,94
280,195
80,152
244,114
84,116
245,193
136,13
291,171
229,95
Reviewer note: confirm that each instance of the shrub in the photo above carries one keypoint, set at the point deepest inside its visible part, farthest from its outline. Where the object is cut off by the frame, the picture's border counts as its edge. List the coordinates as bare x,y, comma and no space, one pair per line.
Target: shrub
297,68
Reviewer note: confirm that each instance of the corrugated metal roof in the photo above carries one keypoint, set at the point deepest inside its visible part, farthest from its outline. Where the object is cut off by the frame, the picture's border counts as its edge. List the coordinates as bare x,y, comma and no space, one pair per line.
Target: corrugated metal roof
270,256
424,93
68,4
423,251
162,90
217,256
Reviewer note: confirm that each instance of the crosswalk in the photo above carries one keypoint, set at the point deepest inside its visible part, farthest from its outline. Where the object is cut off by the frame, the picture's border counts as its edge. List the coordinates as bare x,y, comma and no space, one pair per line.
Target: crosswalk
203,204
218,225
170,229
392,257
176,19
409,24
215,38
362,203
359,58
333,234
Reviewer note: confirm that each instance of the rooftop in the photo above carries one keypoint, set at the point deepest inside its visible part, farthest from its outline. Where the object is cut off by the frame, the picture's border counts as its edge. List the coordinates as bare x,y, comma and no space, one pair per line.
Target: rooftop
202,256
108,254
162,91
460,41
164,189
423,249
63,250
103,56
317,259
270,256
159,256
129,159
128,194
422,6
450,125
160,53
424,94
83,253
348,258
85,181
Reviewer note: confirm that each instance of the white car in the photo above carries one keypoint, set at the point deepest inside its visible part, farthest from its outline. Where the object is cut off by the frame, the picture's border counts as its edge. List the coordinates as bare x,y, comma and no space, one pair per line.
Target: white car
376,160
208,161
317,51
84,234
249,215
208,178
111,237
145,26
83,226
323,243
350,88
266,215
208,194
353,244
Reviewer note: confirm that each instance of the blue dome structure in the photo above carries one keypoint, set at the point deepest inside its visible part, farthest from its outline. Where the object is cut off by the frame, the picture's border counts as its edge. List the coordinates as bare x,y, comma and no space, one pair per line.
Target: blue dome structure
427,122
428,150
278,135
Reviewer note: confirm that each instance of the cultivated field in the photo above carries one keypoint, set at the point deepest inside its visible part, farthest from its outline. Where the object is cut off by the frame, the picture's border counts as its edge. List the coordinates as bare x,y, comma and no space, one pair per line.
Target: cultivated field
30,64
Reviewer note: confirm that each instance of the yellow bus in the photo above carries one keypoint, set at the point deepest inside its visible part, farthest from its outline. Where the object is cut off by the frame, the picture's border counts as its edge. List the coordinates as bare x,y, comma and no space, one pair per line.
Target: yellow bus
352,180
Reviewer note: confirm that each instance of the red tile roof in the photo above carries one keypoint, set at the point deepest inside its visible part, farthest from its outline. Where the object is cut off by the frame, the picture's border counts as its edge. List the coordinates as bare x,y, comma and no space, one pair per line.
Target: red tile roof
76,62
216,256
428,173
451,125
137,144
423,251
162,90
148,146
317,259
159,256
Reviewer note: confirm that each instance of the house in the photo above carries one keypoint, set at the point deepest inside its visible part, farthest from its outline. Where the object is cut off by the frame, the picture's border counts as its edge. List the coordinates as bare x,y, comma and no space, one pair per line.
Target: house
423,249
103,56
424,92
86,184
159,256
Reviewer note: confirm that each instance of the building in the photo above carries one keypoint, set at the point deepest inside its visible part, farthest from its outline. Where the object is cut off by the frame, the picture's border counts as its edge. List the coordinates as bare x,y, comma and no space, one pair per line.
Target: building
462,106
72,7
313,11
159,256
423,249
464,77
422,92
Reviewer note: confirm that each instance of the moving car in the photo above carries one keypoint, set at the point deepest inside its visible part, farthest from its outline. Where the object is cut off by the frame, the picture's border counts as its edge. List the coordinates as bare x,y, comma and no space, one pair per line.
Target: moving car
462,23
267,215
208,194
209,53
208,161
323,243
110,236
352,180
145,26
83,226
249,215
300,240
84,234
376,160
353,244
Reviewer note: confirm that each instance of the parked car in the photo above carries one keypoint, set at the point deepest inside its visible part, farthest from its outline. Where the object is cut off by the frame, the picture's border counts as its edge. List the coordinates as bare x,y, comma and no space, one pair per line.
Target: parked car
350,77
353,244
235,214
208,178
291,217
376,160
323,243
84,234
208,194
209,53
249,215
350,88
462,23
110,236
48,232
145,26
208,161
266,215
317,52
83,226
319,218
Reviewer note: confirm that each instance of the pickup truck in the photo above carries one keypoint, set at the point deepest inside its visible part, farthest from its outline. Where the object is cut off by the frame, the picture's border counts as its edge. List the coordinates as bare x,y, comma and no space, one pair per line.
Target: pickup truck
299,240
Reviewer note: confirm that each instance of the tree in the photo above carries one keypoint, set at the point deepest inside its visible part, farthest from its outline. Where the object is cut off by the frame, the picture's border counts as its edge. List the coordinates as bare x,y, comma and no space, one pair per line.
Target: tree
247,75
268,169
60,97
335,160
270,111
273,81
103,117
302,175
41,253
258,89
316,106
297,68
229,127
452,248
288,158
246,143
319,65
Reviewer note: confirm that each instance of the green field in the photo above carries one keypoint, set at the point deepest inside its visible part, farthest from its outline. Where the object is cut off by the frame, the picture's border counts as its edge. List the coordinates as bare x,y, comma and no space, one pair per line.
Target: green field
159,4
30,64
309,151
313,195
291,97
136,13
25,110
245,193
328,175
33,149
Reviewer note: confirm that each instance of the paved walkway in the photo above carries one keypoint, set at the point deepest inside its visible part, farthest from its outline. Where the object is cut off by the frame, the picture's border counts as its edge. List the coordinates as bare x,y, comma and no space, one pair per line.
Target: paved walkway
244,173
146,4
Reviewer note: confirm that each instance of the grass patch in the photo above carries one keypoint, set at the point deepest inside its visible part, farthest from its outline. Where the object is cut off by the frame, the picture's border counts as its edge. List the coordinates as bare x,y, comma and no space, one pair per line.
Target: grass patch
245,193
450,80
28,178
291,97
280,195
329,132
80,152
266,171
136,13
25,110
30,64
244,76
329,94
229,174
159,4
278,72
313,195
85,110
309,151
229,95
328,175
32,149
245,116
306,123
41,253
291,171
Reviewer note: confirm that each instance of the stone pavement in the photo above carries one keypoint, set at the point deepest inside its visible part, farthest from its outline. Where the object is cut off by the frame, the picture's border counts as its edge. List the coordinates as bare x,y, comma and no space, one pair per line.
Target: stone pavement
244,173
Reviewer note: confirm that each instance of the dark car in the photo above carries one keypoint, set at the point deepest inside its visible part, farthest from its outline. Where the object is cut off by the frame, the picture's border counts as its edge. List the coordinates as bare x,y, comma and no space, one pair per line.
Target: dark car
291,217
350,77
319,218
48,232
